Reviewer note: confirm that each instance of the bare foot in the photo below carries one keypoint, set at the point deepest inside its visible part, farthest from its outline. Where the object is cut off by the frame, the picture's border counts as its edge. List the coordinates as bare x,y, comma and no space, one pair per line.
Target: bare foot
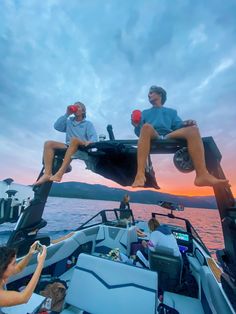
209,180
45,177
56,177
139,181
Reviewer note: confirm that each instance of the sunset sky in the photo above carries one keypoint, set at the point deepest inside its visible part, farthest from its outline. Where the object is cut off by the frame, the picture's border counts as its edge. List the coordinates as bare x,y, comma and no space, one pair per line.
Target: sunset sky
107,53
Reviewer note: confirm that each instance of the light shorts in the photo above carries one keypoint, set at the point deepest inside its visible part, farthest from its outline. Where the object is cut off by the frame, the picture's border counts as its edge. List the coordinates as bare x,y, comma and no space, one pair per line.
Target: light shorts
162,137
89,160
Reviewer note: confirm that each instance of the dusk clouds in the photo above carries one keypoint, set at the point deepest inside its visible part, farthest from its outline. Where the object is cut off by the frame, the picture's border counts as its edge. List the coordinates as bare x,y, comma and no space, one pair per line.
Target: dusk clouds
107,53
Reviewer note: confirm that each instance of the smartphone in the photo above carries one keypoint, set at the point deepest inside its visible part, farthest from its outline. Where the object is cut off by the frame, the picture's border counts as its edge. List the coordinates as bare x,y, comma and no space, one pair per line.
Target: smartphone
39,247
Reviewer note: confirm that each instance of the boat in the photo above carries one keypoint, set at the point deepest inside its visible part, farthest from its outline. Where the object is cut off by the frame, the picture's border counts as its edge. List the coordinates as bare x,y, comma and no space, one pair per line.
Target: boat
193,283
12,205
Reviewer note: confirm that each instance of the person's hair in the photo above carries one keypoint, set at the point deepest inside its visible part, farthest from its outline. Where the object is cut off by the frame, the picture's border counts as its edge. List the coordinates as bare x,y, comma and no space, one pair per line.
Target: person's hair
83,108
6,256
160,91
153,224
126,198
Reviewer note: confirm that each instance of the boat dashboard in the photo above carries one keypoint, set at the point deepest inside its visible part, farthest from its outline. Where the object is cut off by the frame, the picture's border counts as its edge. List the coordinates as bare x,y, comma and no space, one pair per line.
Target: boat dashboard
184,240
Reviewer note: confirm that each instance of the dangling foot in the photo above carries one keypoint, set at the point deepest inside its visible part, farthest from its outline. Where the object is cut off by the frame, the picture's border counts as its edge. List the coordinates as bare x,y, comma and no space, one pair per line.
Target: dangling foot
43,179
56,177
139,181
209,180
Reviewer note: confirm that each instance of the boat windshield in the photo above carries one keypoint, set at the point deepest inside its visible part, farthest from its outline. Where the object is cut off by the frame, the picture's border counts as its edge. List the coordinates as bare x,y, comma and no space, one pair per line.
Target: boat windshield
180,224
111,217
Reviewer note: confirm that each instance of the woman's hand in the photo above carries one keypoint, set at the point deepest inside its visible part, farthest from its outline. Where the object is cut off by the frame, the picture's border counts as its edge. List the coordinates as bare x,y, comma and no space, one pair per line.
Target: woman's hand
144,243
41,256
140,233
32,249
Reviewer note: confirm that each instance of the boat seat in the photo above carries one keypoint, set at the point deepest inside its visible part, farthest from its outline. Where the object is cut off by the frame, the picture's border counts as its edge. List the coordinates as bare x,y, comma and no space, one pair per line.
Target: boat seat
10,210
26,229
183,304
32,306
109,237
168,266
99,285
213,293
212,297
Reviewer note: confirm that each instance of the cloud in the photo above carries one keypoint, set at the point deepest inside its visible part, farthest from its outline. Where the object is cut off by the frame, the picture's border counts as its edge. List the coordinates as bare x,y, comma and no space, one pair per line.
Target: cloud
54,53
198,35
224,65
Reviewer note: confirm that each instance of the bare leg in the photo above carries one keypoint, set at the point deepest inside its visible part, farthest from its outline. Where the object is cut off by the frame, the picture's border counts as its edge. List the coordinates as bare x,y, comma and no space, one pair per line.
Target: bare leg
48,155
74,144
147,134
196,151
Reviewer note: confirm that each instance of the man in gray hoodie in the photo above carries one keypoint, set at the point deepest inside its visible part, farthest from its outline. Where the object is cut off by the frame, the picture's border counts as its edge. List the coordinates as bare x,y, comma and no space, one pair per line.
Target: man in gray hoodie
79,132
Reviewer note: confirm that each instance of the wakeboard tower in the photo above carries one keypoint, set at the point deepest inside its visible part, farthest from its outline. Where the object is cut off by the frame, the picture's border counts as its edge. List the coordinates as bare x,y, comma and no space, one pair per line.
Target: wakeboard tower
116,160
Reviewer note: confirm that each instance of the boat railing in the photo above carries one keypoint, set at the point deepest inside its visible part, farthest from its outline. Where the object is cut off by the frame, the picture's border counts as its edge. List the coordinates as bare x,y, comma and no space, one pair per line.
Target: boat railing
103,217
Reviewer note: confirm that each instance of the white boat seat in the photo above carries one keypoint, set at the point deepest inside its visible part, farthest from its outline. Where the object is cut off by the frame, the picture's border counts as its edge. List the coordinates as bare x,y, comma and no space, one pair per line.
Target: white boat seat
32,306
213,293
183,304
168,266
109,238
72,310
101,286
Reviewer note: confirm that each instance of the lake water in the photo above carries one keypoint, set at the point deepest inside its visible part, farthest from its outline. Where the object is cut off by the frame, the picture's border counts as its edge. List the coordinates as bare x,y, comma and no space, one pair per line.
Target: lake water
66,214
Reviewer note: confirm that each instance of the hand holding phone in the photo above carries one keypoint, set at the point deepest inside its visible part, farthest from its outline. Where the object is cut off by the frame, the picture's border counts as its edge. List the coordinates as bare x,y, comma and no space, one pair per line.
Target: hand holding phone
39,247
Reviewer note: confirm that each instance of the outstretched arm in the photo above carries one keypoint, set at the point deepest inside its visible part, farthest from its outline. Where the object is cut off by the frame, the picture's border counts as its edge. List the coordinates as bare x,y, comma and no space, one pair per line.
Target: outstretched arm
10,298
24,262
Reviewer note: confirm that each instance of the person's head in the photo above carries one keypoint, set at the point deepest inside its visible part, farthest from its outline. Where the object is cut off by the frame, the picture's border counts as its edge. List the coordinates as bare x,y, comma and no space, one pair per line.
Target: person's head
157,95
81,109
126,198
153,224
7,262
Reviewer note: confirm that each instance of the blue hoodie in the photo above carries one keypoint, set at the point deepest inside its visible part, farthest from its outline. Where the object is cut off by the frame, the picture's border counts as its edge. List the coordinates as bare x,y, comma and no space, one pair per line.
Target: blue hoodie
164,120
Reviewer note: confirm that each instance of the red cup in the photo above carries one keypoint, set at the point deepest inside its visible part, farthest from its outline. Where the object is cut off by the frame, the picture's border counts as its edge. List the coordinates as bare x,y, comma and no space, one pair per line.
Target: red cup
73,109
136,116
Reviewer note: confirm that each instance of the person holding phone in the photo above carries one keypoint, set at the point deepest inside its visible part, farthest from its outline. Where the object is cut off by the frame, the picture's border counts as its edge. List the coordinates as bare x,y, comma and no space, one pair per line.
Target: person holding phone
9,267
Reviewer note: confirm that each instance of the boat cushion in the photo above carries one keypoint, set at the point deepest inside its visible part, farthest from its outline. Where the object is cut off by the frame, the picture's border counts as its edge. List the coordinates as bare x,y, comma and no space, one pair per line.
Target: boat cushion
32,306
182,303
213,292
101,286
168,266
109,238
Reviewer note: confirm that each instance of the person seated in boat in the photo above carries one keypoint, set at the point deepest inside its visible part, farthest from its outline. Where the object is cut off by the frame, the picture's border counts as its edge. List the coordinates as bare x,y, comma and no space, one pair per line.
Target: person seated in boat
79,132
160,122
161,235
9,267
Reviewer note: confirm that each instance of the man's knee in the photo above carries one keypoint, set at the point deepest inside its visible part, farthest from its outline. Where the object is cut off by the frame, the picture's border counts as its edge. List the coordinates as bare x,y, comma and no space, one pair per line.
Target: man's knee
75,141
48,144
191,131
147,130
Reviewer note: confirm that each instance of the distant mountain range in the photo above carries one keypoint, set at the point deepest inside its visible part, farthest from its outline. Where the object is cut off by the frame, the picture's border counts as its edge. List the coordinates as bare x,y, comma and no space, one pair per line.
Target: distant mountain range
101,192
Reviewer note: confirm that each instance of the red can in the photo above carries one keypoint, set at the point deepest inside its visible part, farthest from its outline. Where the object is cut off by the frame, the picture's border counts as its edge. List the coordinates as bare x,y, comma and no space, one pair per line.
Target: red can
73,109
136,116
